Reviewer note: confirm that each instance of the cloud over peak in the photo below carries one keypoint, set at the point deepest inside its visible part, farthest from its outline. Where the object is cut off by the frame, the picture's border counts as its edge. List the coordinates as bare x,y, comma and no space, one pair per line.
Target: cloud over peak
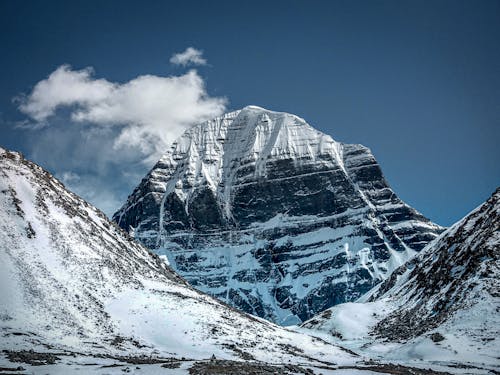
100,137
191,56
145,107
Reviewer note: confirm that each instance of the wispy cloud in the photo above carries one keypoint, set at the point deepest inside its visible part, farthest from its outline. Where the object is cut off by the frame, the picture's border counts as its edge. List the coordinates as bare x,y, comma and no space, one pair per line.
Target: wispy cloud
104,131
191,56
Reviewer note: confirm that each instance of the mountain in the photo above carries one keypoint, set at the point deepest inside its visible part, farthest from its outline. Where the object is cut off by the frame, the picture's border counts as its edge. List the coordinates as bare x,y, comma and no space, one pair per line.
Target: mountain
443,304
270,215
74,286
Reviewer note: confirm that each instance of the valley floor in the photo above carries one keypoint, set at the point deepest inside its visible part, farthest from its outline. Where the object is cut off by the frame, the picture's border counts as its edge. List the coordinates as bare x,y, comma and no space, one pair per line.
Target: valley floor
31,362
455,355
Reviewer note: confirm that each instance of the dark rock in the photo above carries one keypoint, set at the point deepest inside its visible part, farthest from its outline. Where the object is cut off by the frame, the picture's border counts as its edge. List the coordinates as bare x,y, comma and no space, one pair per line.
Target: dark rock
437,337
31,357
225,367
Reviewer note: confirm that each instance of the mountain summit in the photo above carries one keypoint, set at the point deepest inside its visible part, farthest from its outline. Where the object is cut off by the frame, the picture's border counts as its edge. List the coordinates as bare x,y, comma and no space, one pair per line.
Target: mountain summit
263,211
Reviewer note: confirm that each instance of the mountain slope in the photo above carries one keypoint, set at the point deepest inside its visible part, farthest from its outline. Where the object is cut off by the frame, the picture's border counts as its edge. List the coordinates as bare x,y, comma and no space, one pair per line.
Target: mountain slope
272,216
72,282
444,303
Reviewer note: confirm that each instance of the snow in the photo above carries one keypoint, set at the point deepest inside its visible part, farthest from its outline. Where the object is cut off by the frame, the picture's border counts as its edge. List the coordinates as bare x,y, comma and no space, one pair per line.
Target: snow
77,284
213,151
353,320
73,365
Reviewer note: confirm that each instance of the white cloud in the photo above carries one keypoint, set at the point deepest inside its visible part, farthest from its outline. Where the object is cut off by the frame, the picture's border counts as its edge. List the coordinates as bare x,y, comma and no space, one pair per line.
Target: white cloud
62,88
150,110
98,133
191,56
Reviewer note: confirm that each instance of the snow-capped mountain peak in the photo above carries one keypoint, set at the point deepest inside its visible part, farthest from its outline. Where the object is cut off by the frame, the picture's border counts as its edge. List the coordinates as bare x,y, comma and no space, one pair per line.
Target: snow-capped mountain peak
214,149
264,211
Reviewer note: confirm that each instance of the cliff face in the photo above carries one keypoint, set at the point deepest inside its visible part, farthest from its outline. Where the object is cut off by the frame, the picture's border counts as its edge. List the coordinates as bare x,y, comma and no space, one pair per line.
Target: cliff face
265,212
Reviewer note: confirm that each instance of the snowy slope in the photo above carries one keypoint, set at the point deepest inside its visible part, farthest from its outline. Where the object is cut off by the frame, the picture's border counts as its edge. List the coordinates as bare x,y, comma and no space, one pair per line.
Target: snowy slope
71,281
265,212
444,305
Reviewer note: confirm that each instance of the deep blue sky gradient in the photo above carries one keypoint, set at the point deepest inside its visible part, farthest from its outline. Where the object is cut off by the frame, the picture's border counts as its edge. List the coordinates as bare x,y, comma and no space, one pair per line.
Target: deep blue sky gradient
416,81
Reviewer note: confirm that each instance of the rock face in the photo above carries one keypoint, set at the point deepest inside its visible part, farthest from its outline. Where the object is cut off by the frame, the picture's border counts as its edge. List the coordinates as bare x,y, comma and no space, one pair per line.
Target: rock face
457,274
263,211
72,282
445,301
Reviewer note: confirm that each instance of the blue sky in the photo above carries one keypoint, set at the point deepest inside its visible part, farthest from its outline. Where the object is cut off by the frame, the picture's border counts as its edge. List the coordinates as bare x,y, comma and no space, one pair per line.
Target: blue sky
416,81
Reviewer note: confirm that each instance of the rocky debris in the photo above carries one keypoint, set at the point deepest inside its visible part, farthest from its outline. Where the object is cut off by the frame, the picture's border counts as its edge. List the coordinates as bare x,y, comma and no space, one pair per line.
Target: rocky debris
225,367
395,369
263,211
31,357
239,352
437,337
171,364
4,369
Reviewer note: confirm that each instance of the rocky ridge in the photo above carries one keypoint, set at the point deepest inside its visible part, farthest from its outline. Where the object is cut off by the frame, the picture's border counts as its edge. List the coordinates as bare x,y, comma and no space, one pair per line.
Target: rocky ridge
445,301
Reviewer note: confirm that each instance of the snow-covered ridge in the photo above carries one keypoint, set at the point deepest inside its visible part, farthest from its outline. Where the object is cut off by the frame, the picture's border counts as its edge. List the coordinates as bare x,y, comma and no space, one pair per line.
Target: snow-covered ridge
72,281
443,305
238,203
